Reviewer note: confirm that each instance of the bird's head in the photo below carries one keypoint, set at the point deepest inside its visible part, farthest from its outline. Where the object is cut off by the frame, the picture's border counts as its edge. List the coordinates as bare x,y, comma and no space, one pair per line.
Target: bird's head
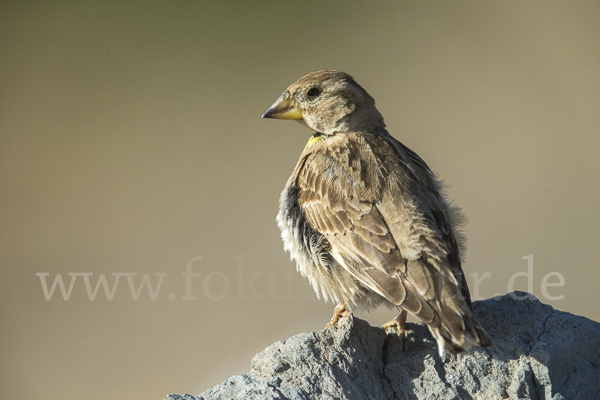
328,102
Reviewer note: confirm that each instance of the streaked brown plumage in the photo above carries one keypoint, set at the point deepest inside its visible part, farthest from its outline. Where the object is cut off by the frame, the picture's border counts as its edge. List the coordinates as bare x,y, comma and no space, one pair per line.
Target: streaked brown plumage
365,218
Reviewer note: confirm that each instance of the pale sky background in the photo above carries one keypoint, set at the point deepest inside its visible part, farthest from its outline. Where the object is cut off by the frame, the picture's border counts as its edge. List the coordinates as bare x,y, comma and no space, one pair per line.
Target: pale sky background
131,143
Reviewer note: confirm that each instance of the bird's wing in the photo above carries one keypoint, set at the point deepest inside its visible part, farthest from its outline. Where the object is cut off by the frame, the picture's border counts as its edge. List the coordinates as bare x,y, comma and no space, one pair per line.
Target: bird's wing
347,199
440,222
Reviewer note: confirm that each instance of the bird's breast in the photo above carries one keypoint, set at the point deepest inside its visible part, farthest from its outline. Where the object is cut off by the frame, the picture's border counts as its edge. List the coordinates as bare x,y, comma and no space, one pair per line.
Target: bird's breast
311,251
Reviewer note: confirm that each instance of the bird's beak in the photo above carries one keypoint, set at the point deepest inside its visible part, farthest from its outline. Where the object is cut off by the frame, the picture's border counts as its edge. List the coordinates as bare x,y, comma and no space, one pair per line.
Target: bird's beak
283,108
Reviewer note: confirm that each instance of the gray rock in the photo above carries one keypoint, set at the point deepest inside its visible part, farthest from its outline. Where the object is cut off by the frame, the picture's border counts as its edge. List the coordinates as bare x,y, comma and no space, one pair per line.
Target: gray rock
538,353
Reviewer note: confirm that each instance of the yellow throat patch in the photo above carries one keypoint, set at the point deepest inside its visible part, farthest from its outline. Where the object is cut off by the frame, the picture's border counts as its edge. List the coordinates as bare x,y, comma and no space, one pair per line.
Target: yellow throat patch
316,138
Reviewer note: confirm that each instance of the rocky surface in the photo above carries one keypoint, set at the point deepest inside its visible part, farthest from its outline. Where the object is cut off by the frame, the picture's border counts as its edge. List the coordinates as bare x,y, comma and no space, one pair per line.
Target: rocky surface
538,353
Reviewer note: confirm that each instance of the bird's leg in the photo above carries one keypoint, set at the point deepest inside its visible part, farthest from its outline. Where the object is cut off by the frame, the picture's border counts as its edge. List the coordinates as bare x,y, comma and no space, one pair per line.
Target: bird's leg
341,310
398,324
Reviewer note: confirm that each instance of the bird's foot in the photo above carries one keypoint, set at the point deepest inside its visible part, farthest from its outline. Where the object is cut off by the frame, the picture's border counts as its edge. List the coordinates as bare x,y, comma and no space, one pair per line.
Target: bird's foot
397,323
341,310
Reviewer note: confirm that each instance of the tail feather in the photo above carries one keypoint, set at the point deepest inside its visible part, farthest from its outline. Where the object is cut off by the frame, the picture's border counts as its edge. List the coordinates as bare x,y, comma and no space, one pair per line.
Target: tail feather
457,341
453,325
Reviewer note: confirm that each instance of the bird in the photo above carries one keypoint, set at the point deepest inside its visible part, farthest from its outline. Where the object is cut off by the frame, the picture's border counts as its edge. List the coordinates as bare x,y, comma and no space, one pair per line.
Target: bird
367,221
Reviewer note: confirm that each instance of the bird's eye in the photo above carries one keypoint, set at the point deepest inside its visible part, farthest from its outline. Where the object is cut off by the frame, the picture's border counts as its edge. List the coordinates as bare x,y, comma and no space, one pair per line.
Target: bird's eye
313,93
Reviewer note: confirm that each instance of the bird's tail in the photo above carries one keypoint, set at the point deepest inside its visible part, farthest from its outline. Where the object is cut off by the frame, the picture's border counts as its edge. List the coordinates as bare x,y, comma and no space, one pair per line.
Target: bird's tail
457,331
448,314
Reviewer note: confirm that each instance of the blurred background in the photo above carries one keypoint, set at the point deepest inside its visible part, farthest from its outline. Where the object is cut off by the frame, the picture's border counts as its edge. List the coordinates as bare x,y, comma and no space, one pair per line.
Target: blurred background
132,150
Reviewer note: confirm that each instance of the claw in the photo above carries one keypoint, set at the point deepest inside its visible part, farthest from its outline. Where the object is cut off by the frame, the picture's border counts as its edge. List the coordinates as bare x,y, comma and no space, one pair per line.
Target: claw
397,323
340,311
